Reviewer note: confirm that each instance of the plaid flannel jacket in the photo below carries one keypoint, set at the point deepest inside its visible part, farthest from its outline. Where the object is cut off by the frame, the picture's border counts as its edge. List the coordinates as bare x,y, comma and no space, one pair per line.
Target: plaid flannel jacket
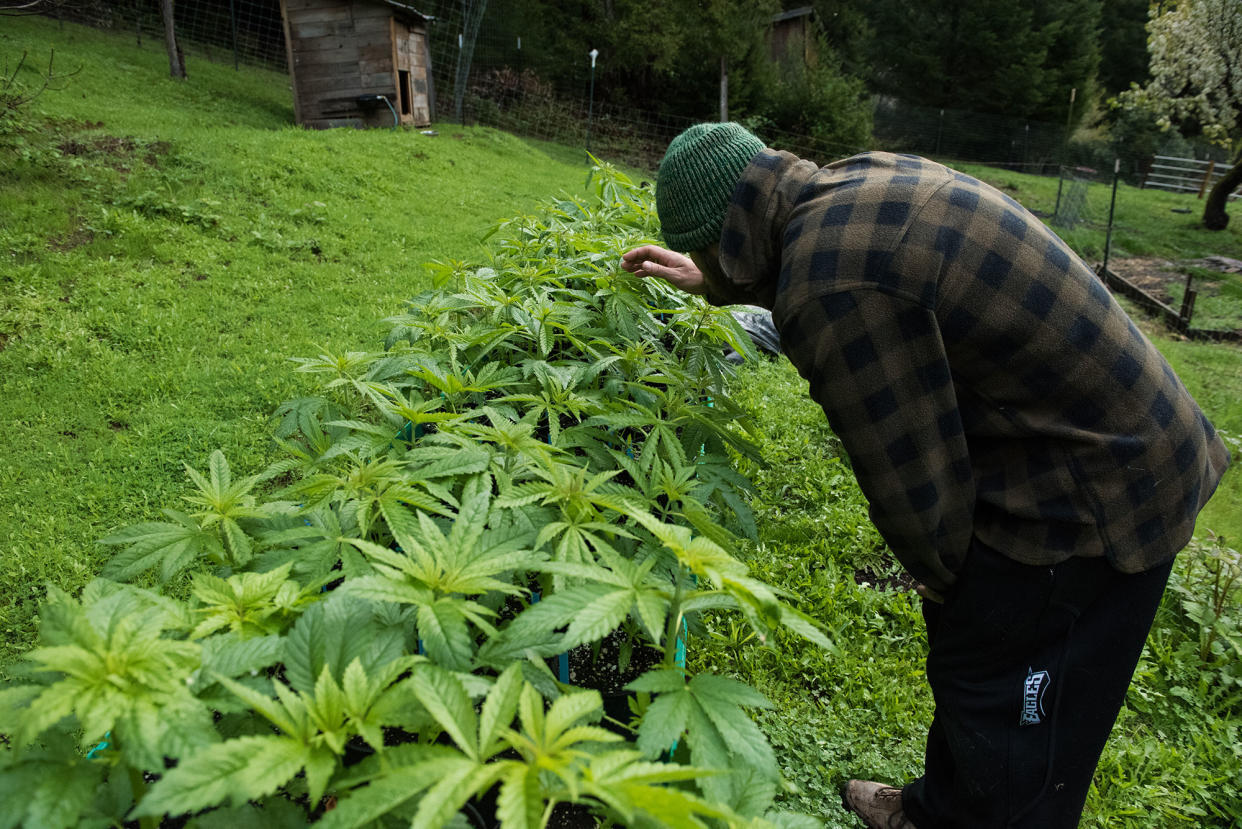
982,380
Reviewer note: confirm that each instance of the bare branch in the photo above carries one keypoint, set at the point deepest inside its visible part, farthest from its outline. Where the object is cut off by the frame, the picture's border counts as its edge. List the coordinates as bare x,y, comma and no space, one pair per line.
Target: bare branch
31,7
12,96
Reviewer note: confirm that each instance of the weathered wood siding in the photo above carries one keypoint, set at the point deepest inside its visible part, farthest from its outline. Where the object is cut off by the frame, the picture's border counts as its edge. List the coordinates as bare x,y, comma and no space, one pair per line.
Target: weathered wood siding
412,59
342,49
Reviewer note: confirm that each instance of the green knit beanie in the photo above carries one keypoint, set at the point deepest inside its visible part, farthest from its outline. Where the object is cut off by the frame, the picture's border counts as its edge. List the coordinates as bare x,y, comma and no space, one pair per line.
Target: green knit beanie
696,180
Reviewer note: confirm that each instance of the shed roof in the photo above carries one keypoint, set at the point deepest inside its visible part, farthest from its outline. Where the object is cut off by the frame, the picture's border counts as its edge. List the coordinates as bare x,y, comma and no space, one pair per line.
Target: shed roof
407,9
804,11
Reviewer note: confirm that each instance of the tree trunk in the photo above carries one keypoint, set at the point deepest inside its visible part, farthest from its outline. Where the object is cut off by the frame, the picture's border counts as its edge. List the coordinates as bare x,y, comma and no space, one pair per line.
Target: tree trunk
724,89
1214,215
176,60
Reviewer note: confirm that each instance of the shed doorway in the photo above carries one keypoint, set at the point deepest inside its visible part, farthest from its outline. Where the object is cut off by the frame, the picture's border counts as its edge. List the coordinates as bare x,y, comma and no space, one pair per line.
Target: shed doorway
410,48
404,92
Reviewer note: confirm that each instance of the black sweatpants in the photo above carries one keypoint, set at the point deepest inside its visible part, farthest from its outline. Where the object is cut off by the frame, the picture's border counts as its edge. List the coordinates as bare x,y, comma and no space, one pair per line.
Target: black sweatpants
1028,667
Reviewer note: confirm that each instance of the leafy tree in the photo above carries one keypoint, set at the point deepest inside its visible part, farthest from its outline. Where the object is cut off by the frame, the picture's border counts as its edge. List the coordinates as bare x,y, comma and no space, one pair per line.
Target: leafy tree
1196,85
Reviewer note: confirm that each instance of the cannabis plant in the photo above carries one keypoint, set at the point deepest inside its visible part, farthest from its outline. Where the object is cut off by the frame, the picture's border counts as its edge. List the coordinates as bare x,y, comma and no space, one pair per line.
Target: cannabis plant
464,594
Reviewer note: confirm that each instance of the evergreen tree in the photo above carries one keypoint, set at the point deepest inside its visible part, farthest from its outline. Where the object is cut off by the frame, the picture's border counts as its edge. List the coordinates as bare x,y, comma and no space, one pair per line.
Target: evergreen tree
847,31
979,55
1068,34
1123,45
1009,57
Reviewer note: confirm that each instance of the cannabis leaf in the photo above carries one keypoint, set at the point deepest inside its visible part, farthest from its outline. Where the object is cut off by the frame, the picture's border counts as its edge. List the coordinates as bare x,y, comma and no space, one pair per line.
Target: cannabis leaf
224,503
51,785
235,771
109,665
314,728
756,600
334,633
249,604
710,712
315,542
442,780
434,571
171,545
632,787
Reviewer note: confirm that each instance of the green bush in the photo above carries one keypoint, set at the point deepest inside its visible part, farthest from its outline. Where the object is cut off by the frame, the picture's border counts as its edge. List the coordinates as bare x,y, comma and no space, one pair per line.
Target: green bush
820,111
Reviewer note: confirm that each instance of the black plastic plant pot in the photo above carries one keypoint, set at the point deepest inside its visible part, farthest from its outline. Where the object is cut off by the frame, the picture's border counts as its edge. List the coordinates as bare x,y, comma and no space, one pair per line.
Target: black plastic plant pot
587,667
481,813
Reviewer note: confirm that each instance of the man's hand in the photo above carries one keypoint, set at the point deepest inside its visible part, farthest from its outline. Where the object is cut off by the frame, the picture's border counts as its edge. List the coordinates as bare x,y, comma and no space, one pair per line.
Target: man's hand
674,268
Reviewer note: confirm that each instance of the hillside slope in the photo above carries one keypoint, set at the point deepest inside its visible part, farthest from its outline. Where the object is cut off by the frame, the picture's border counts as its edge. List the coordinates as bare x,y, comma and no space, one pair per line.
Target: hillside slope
167,247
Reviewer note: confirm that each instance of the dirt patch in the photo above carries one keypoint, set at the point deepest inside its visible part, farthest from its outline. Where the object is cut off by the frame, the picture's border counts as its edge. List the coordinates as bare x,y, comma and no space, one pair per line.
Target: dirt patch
75,238
1166,281
898,581
118,152
1152,275
1156,275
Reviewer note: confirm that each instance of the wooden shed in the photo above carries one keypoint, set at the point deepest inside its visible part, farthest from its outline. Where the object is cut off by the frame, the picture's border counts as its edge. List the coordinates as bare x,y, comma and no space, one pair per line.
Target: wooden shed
792,36
358,63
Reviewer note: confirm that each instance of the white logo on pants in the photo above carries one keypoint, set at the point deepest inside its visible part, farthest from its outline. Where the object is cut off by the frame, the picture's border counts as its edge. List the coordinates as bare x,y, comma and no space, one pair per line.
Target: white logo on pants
1033,689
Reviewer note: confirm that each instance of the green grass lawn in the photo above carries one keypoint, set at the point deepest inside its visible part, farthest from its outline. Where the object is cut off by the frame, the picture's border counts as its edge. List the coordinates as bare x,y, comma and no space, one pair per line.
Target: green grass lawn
1144,223
167,247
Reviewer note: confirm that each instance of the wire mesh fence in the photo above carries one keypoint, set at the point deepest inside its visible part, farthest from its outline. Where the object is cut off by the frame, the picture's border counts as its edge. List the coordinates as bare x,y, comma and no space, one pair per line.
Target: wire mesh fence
1072,188
481,74
226,31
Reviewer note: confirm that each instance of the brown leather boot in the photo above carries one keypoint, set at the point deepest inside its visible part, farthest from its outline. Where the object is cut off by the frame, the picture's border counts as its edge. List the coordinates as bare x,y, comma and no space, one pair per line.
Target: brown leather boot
877,804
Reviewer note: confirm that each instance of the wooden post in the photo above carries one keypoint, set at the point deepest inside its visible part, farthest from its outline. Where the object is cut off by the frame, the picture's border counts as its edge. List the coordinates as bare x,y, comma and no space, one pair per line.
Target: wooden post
1207,178
1188,304
293,78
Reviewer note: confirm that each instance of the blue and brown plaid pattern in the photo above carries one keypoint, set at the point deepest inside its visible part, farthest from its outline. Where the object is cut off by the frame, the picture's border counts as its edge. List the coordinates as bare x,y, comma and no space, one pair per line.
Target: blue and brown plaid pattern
982,380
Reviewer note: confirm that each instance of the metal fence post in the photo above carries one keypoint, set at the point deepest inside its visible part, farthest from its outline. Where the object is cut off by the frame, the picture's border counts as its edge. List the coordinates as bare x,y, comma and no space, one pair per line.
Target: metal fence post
233,19
1060,185
1108,237
594,53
